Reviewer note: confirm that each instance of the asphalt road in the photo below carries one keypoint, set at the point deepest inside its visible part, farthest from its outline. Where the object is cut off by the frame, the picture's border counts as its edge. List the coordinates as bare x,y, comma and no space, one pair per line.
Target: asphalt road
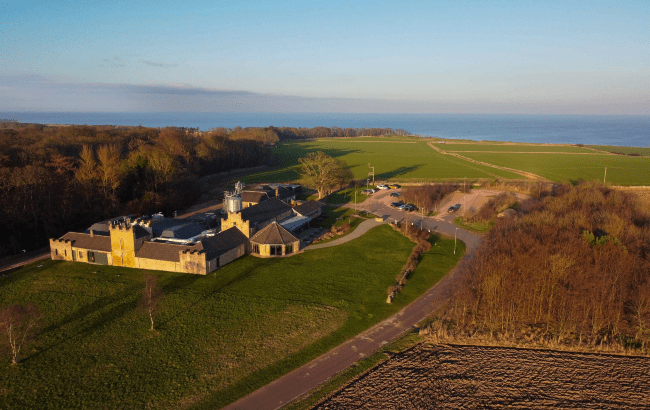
287,388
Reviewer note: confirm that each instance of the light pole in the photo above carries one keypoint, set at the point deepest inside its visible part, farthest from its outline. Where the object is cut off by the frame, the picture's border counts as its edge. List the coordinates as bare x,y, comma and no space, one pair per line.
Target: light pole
605,175
455,234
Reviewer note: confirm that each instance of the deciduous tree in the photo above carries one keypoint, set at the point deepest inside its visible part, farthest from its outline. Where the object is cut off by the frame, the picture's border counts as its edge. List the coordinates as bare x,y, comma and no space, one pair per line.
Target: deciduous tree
324,172
151,297
17,322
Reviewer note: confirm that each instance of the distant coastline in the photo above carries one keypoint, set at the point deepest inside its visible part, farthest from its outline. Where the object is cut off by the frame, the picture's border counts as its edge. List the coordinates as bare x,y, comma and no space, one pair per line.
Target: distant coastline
557,129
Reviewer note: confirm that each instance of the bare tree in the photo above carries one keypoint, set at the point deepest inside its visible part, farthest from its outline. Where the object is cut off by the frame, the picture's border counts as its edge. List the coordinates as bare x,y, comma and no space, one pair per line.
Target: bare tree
151,297
18,322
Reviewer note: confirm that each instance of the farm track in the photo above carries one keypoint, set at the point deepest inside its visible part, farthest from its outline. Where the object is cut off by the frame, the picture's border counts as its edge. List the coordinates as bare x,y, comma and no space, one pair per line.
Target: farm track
525,174
452,376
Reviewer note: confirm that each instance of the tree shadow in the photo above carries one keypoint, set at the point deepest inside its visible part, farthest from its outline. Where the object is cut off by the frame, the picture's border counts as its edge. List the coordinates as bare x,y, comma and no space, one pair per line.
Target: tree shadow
398,172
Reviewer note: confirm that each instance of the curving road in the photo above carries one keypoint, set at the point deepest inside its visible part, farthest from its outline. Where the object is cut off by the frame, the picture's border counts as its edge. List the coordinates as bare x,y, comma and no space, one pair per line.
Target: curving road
290,386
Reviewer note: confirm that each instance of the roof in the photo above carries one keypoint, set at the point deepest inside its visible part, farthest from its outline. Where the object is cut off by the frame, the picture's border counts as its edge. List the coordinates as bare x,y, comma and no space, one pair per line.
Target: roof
221,243
185,231
172,228
295,222
160,251
254,196
264,211
85,241
274,234
308,207
284,193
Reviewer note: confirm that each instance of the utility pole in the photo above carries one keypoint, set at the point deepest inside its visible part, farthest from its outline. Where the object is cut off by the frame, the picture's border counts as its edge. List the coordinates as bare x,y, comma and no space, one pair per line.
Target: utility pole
455,233
371,173
605,175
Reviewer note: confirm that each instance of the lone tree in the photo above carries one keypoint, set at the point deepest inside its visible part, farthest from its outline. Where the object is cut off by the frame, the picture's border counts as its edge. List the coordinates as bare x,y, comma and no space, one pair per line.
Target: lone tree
151,297
324,172
17,322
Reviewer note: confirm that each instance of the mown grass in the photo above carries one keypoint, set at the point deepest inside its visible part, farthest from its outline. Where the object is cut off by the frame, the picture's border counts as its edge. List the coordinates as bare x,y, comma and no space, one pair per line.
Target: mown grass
347,195
622,150
479,227
510,147
621,170
218,337
394,160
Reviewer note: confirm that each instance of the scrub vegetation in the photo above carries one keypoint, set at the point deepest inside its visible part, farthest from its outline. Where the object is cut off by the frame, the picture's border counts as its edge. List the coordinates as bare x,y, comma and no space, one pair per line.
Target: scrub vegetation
573,270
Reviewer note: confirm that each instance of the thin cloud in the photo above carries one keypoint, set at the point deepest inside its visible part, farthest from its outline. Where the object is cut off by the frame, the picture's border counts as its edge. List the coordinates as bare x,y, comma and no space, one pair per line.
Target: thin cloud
156,64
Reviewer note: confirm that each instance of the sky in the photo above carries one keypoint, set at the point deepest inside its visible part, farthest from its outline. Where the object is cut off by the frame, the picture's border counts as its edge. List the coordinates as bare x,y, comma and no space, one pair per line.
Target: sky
518,57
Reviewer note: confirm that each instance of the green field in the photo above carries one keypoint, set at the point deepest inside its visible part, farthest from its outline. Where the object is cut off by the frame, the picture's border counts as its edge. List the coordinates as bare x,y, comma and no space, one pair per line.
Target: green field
218,337
623,150
621,170
485,147
399,160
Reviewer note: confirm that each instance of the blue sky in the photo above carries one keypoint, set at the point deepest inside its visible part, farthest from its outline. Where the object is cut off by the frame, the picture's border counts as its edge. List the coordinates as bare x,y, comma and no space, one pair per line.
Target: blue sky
586,57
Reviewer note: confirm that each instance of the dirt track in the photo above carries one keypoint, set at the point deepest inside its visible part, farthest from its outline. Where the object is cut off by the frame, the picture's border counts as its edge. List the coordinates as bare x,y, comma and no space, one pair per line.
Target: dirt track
453,377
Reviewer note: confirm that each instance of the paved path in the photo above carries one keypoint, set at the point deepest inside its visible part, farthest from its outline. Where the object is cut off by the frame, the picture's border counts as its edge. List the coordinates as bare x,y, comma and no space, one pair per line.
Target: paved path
363,227
290,386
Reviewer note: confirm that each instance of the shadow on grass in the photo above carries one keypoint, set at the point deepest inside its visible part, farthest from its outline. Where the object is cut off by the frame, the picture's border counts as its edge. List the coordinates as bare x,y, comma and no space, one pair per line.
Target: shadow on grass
398,172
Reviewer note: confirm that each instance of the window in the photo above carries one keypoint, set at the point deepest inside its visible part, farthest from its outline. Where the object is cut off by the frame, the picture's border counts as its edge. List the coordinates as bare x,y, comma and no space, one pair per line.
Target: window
276,249
288,249
256,248
91,256
65,252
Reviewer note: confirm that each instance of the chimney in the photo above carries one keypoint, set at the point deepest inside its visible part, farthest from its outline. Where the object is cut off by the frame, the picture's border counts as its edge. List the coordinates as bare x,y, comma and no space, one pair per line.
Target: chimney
92,233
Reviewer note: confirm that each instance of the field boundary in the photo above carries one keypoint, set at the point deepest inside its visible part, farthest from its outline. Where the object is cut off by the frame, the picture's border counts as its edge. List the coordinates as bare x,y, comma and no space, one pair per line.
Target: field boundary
525,174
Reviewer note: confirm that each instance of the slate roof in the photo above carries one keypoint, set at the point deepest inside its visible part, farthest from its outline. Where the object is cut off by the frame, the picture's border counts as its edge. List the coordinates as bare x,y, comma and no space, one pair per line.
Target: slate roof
221,243
308,207
284,193
274,234
160,251
85,241
254,196
264,211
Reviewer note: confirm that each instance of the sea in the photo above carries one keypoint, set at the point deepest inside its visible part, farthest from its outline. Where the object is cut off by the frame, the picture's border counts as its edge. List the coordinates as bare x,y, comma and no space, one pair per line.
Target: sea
557,129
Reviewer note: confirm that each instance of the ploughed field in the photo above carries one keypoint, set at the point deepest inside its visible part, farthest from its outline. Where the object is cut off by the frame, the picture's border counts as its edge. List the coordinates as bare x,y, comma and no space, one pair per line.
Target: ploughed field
453,377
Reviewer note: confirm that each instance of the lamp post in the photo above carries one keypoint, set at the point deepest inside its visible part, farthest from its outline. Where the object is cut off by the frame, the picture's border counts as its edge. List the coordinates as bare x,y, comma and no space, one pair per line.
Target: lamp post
455,234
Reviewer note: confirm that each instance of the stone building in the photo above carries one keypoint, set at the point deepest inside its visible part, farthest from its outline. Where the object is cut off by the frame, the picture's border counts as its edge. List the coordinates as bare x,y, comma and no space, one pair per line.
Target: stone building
190,245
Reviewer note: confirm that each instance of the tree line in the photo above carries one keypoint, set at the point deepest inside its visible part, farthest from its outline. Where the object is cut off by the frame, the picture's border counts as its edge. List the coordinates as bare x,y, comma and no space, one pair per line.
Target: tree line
54,179
573,268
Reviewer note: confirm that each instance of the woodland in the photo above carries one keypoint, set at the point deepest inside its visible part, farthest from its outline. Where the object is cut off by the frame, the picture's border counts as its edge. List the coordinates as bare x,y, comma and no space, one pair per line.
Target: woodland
572,268
58,178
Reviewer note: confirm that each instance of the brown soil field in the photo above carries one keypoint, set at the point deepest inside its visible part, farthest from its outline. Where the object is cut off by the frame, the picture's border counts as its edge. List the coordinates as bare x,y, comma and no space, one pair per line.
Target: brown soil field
642,192
476,377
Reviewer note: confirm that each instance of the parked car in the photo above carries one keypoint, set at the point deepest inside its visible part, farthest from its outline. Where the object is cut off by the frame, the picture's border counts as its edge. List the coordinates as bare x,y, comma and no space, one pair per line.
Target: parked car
407,207
382,187
396,204
453,208
395,194
394,186
368,191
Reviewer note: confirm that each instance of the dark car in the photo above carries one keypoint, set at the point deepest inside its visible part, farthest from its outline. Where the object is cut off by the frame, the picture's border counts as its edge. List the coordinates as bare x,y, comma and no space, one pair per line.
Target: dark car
395,194
396,204
454,208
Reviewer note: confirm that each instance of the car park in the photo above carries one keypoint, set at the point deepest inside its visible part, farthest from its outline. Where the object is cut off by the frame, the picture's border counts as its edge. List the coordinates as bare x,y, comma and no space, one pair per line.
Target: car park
382,187
453,208
395,194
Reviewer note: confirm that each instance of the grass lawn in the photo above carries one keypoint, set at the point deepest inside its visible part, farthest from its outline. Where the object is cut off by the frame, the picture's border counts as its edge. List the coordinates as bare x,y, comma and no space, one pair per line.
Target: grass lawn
622,150
510,147
218,337
394,159
479,227
347,195
621,170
